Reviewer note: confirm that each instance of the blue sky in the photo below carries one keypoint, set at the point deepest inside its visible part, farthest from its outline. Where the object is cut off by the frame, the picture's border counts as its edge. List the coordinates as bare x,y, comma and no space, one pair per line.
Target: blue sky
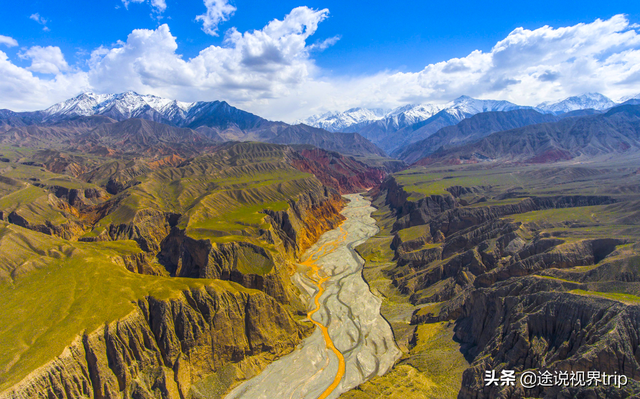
371,51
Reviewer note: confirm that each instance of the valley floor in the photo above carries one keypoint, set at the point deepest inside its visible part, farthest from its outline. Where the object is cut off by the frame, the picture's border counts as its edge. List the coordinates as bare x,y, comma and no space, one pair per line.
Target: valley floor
525,268
352,342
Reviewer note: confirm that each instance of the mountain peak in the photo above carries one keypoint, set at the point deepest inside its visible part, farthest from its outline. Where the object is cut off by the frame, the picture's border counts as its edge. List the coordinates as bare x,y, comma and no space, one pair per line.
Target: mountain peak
595,101
627,98
463,98
128,104
339,121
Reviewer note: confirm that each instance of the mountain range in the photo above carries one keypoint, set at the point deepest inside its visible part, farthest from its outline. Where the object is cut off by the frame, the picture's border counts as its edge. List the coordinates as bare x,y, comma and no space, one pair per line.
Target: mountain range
472,129
133,123
586,101
394,129
167,123
145,252
615,133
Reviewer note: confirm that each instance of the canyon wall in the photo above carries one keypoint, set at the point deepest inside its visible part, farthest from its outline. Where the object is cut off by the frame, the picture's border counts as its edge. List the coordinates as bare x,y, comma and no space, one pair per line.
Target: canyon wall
524,293
165,346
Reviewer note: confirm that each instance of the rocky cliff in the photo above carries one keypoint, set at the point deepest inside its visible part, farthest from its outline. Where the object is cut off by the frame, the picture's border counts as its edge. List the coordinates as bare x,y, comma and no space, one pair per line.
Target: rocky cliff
165,347
291,232
530,282
236,220
528,325
344,173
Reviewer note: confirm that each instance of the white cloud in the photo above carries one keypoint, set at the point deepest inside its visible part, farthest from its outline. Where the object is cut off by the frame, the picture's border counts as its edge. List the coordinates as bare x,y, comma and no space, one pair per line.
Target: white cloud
8,41
21,90
271,71
41,20
45,59
527,67
250,66
218,11
158,5
325,44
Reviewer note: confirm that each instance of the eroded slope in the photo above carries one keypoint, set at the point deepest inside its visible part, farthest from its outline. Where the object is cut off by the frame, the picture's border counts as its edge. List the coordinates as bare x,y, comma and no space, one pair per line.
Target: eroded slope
516,268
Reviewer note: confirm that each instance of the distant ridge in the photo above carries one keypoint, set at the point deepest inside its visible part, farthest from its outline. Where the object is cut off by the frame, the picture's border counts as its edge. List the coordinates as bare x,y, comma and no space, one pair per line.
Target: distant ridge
411,123
472,129
203,123
614,133
586,101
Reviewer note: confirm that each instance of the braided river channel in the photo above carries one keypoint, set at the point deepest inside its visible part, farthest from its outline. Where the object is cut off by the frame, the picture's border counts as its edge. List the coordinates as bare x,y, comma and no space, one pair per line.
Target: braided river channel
352,342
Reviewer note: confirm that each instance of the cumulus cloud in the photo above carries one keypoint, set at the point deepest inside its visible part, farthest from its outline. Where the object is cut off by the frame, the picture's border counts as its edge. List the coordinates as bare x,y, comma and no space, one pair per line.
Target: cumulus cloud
271,71
158,5
8,41
527,67
21,90
250,66
41,20
218,11
45,59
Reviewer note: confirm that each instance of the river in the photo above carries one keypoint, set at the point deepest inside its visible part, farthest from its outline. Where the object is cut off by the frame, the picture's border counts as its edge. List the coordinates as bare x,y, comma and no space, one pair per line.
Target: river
352,342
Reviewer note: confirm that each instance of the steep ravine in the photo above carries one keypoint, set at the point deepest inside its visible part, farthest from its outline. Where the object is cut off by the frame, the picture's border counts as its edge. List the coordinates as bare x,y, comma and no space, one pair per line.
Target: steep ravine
164,347
352,342
226,330
291,232
522,290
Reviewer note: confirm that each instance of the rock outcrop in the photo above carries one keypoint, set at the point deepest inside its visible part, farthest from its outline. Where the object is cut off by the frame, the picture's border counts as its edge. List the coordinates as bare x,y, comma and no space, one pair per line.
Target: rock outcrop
344,173
165,346
526,293
523,325
292,231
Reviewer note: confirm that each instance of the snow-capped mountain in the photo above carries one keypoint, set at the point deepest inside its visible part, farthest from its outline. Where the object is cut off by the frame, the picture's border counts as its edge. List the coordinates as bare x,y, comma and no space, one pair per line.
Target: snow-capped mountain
472,106
119,106
586,101
451,113
341,121
211,117
356,119
360,119
630,99
464,107
413,113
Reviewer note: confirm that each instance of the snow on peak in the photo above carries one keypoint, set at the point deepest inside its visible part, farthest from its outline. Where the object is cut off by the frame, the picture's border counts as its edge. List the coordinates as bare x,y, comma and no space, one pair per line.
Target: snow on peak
627,98
415,113
468,105
405,115
338,121
585,101
128,104
81,105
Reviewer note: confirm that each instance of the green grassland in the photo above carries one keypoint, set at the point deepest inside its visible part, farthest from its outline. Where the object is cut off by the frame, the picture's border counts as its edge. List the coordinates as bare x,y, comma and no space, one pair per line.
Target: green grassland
615,220
64,294
26,189
219,196
421,181
32,203
55,289
626,298
413,233
539,180
432,369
